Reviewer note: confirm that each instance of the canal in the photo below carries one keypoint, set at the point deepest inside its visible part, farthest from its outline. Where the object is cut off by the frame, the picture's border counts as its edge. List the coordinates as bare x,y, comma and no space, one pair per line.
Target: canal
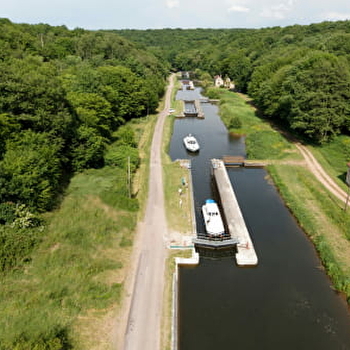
287,301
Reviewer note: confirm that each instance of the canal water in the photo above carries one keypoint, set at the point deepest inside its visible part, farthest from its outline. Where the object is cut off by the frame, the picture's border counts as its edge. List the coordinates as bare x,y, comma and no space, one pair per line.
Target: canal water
287,301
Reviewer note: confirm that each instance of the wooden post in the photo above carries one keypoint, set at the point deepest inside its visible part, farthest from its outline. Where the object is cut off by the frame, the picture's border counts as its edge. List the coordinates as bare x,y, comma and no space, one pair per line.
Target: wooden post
129,180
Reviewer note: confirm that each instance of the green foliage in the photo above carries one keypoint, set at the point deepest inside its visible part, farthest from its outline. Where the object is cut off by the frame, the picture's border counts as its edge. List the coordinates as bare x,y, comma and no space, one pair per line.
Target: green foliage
125,135
32,95
7,213
235,123
266,144
16,246
318,93
23,218
120,156
74,88
31,170
88,149
7,127
70,274
93,111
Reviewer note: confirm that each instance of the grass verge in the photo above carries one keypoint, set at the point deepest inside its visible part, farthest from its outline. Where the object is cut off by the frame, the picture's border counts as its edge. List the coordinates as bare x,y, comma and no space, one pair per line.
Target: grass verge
176,177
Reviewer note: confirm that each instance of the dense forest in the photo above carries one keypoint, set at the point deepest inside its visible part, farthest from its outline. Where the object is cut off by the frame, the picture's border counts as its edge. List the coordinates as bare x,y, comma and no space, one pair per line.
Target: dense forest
62,95
297,75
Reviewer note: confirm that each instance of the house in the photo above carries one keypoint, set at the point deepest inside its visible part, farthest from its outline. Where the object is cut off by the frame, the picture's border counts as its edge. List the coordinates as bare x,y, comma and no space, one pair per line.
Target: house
227,83
218,81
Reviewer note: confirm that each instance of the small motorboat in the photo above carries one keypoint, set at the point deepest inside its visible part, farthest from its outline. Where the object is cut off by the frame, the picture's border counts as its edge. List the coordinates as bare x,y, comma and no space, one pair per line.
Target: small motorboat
212,218
191,143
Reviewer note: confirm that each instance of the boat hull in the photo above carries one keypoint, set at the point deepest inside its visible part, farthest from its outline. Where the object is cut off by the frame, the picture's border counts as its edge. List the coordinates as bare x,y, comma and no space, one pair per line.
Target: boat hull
191,143
214,225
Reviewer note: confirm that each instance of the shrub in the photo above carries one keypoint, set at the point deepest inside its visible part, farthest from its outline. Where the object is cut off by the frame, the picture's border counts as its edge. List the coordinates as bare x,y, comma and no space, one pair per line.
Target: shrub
7,213
16,246
118,156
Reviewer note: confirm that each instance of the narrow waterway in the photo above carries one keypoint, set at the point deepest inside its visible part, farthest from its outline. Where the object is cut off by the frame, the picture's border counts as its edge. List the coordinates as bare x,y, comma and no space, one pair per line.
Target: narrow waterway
287,301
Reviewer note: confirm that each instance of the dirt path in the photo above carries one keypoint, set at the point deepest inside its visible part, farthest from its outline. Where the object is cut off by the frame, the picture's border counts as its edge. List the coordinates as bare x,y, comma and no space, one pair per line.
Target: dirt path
140,323
320,174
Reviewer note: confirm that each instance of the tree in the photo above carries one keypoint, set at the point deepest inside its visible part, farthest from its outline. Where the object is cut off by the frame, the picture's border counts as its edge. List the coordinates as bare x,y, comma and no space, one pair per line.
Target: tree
30,171
87,149
319,90
93,110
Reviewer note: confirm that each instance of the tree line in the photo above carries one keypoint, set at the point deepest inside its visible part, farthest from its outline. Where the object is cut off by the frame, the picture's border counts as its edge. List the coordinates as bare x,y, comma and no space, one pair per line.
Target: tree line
62,95
297,75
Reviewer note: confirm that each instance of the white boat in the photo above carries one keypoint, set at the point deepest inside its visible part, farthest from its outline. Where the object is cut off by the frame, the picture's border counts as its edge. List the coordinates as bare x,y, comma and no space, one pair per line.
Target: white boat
191,143
212,218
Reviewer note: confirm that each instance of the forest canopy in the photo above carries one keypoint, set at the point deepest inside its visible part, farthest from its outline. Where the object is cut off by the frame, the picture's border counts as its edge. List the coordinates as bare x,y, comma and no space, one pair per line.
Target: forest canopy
62,95
76,87
297,75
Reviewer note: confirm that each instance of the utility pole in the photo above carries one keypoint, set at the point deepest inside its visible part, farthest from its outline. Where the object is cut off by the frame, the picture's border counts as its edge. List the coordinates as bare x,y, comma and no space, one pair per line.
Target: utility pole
129,178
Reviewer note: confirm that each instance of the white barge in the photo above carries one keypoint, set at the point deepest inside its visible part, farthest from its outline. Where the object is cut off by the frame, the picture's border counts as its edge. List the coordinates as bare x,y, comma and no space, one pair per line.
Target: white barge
212,218
191,143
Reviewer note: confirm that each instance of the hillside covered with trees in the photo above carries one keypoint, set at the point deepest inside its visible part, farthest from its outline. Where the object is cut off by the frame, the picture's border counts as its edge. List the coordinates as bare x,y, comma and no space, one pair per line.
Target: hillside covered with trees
298,75
62,94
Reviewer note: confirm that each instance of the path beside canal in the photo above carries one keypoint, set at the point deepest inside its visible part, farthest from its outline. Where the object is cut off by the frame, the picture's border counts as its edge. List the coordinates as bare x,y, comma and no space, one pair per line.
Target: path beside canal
141,319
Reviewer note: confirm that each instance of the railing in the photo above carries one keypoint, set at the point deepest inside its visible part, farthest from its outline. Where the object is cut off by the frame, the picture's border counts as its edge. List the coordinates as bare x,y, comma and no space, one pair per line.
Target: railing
221,238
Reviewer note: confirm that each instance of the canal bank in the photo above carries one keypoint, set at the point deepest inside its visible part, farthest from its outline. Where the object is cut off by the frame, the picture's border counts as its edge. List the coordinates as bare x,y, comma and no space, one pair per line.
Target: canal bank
286,302
303,184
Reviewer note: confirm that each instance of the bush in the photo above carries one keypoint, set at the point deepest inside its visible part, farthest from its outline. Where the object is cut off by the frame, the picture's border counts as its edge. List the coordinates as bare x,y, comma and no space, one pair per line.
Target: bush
7,213
16,246
118,156
125,136
235,123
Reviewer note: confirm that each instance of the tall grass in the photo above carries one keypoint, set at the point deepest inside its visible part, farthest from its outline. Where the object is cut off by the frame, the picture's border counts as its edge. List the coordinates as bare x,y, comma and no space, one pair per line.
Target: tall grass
240,117
73,269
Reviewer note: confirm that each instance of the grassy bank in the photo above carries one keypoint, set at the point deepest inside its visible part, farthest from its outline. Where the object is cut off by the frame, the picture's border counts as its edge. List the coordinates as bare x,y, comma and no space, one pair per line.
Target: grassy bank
240,117
176,177
67,292
318,213
334,156
76,274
